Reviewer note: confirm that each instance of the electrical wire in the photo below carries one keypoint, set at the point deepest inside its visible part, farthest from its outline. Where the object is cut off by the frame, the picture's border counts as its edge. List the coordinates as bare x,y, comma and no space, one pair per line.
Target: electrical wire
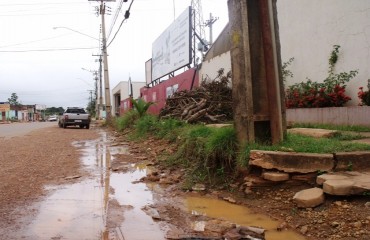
34,41
32,4
127,15
46,50
115,18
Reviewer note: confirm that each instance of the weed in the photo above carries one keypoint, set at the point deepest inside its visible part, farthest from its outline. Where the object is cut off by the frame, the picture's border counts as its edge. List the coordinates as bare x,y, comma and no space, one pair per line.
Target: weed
321,172
145,125
350,166
126,121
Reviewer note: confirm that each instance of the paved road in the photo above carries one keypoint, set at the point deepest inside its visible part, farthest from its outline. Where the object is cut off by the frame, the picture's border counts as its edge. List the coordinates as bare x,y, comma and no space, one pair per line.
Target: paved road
20,129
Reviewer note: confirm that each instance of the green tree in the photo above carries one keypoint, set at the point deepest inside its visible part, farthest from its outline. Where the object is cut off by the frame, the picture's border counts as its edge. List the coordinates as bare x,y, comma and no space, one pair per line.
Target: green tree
91,107
13,100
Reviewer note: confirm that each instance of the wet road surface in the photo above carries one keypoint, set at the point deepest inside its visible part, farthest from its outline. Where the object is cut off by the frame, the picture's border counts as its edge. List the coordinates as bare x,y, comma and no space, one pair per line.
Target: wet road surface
110,205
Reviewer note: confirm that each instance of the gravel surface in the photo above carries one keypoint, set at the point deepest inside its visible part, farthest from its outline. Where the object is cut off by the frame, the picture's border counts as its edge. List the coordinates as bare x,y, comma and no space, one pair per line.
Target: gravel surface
28,163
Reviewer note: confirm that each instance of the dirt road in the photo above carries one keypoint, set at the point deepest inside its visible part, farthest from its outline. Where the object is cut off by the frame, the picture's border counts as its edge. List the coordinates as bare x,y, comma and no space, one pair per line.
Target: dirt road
92,184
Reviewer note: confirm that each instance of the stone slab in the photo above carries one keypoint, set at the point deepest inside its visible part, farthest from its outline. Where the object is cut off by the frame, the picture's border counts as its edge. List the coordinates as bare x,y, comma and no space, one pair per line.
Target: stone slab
275,176
309,198
313,132
345,183
353,161
339,187
291,162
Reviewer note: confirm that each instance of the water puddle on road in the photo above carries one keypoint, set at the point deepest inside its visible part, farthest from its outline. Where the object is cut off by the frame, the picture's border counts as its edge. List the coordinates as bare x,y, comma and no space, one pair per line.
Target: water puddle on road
113,205
237,214
107,205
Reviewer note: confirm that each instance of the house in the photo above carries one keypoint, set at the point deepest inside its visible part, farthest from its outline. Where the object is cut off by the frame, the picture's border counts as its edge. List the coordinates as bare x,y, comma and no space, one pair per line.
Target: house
121,95
18,112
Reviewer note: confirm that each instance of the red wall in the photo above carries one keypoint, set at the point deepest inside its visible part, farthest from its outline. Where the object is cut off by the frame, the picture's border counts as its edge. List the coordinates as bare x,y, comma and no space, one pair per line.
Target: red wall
158,93
125,106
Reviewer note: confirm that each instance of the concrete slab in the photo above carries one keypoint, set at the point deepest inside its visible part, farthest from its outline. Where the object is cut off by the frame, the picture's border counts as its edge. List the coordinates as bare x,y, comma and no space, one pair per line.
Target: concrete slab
309,198
275,176
291,162
314,132
345,183
353,161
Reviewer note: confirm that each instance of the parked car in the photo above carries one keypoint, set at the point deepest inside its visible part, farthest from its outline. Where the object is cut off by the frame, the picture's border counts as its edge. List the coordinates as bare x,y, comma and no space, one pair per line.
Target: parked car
53,118
75,116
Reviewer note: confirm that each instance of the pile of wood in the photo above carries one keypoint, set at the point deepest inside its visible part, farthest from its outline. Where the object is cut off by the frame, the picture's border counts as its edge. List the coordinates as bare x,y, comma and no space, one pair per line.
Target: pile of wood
210,103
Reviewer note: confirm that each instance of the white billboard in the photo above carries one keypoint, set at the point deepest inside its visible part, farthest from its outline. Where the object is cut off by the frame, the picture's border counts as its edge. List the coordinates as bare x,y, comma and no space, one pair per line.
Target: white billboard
172,49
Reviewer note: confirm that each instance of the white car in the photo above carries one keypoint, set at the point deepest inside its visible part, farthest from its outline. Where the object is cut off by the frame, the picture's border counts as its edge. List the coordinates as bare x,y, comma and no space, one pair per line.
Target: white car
53,118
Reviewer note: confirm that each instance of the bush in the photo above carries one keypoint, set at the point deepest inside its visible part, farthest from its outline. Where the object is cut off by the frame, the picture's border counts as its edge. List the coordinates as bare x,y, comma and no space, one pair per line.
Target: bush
364,96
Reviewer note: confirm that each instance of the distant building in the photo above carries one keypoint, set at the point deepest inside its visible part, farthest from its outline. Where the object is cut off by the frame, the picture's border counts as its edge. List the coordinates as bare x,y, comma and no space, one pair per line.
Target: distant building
121,96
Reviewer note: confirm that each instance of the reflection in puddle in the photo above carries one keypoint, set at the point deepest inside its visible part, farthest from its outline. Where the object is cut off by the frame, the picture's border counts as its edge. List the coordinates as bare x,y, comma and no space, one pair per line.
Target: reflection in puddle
237,214
105,206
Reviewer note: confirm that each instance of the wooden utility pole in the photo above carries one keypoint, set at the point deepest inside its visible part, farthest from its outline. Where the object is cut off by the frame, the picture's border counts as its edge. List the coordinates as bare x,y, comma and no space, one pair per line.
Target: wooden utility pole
258,94
105,59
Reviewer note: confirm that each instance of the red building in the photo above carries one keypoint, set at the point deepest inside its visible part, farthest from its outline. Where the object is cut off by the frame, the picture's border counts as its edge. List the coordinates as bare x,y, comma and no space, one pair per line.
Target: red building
160,92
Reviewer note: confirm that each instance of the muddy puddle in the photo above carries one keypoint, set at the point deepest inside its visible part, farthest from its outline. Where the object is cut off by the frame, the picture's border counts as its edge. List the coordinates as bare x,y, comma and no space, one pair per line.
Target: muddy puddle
113,205
240,215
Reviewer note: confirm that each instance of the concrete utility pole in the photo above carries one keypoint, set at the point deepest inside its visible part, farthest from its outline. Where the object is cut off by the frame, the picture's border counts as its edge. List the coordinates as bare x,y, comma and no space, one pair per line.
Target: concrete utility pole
102,11
100,100
209,23
257,86
90,91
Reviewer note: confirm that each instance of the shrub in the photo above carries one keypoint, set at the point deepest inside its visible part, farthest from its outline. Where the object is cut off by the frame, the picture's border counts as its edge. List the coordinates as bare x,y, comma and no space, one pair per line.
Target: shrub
364,96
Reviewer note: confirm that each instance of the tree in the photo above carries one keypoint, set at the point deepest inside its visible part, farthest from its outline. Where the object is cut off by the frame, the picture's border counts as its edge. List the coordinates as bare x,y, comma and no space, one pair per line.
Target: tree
13,100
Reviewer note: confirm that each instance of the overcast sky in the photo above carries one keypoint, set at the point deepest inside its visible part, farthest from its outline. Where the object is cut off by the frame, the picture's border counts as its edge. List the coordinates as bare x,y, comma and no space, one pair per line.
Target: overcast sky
43,65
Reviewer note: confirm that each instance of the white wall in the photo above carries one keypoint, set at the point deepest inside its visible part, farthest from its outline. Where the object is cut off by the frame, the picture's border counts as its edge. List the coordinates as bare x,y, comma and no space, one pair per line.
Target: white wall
310,28
122,89
210,68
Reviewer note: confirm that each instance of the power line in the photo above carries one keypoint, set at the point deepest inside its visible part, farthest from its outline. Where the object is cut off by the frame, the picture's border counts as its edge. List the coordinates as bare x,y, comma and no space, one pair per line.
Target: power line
46,50
33,4
44,14
127,15
34,41
115,17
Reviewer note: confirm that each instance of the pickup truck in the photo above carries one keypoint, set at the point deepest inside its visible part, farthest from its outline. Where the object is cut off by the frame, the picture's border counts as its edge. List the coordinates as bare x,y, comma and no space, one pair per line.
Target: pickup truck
74,116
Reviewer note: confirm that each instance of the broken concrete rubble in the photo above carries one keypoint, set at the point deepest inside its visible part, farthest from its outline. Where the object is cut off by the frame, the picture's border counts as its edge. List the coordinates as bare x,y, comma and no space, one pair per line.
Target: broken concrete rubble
275,176
291,162
309,198
345,183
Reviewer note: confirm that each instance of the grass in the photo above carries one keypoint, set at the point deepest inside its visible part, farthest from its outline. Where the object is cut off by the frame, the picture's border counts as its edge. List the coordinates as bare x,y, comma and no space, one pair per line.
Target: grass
212,155
351,128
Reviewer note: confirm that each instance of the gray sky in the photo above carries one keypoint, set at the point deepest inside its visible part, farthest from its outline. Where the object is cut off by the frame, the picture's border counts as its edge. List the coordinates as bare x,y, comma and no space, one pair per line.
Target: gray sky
44,65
